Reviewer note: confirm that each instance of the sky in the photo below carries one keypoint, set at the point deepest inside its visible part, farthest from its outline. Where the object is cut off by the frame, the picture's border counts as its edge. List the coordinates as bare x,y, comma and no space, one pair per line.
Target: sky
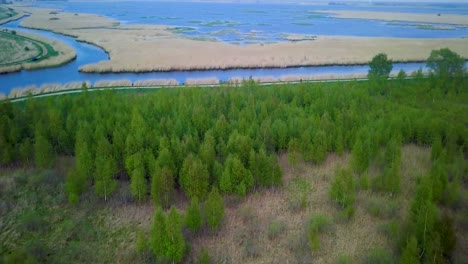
326,1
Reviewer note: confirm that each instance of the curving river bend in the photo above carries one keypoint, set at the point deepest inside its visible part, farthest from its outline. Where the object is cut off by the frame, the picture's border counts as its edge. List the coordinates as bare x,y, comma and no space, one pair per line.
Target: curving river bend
88,54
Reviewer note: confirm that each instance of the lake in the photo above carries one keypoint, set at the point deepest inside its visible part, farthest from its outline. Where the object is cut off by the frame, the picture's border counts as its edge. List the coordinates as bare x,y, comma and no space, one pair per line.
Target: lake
233,23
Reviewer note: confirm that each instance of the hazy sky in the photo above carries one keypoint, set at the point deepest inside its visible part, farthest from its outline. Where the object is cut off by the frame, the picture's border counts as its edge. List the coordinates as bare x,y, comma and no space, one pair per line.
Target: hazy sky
326,1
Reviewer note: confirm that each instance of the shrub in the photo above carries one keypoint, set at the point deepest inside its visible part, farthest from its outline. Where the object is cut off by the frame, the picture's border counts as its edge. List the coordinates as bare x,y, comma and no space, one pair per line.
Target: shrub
299,190
275,229
379,256
317,224
247,214
141,242
33,222
343,259
193,218
346,214
391,229
203,257
410,254
342,188
382,208
214,209
364,182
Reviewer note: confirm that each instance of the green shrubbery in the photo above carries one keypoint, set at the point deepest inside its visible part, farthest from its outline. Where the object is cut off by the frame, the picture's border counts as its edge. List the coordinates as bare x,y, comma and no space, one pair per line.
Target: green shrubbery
228,139
342,191
316,225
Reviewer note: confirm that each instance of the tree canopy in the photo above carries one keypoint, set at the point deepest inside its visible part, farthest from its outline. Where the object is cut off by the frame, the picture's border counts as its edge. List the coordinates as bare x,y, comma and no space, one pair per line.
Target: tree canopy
380,67
446,63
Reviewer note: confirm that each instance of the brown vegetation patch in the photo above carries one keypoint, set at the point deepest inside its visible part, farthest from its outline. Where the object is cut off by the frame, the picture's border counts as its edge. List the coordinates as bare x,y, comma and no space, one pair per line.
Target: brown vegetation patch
394,16
46,88
157,82
202,81
112,83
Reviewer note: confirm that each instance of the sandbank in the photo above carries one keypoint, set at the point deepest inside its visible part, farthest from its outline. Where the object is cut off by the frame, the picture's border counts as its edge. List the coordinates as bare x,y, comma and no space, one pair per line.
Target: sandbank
408,17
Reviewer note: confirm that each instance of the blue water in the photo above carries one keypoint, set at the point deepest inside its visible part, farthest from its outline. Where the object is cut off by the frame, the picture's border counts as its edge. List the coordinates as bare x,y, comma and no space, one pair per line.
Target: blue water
241,23
248,23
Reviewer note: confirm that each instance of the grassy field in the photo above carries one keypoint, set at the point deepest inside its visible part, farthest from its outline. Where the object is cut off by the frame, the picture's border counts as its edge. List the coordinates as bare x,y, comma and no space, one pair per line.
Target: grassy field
6,12
17,49
28,51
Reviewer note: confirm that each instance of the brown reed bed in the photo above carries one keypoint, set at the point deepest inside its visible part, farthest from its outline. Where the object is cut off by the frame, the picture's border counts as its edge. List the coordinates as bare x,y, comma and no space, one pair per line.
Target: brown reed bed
202,81
157,82
394,16
132,48
112,83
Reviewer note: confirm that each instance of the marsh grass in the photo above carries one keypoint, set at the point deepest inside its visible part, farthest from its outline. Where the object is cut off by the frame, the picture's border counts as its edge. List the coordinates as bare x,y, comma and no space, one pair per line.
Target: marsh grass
45,88
176,52
394,16
112,83
156,82
202,81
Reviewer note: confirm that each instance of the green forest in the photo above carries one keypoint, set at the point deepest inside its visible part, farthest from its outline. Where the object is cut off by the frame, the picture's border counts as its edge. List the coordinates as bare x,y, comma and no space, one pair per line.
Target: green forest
189,154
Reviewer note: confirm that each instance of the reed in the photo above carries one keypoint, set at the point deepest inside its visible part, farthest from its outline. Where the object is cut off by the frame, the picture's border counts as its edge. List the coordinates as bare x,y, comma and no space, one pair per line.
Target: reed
265,79
8,69
132,48
157,82
23,91
394,16
112,83
202,81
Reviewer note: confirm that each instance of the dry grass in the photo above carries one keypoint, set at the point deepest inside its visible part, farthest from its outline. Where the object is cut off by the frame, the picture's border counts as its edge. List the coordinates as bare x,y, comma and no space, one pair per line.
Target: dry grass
415,161
353,239
132,48
157,82
8,69
202,81
112,83
265,79
394,16
243,237
45,88
295,78
23,91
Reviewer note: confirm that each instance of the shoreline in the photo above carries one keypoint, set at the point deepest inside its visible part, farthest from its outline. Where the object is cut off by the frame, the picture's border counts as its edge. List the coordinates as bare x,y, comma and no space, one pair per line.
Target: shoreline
19,94
253,68
52,88
19,15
